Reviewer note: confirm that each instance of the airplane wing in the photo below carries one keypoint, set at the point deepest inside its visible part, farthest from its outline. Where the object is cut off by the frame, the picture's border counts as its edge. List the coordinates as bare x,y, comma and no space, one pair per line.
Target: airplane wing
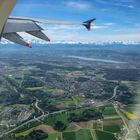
9,27
30,26
6,7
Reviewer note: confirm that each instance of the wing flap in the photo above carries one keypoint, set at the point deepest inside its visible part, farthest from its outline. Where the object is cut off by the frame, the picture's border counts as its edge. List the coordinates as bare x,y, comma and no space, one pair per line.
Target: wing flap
14,37
39,34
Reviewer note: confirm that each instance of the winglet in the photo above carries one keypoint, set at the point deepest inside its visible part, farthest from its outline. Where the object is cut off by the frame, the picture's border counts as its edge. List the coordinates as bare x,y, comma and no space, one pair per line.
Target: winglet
87,23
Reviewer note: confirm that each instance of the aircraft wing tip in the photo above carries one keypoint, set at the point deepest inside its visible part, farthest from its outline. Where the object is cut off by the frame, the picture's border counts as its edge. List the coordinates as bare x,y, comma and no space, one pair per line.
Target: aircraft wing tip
87,23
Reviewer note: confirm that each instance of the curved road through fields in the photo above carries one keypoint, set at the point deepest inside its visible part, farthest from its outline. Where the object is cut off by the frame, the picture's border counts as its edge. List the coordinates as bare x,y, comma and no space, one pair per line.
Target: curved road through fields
57,112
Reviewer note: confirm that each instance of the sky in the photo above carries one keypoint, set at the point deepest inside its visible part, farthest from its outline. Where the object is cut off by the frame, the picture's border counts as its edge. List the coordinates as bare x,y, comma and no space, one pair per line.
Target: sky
117,20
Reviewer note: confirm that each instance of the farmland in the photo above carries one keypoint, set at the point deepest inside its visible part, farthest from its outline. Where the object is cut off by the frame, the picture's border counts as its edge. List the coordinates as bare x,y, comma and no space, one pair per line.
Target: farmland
61,94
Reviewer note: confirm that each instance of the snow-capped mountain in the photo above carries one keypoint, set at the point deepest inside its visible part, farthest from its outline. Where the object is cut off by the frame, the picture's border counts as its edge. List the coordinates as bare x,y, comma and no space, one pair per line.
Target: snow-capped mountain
38,41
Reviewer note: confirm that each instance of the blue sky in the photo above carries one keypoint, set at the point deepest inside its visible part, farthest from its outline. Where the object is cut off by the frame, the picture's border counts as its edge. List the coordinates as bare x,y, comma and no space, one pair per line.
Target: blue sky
117,20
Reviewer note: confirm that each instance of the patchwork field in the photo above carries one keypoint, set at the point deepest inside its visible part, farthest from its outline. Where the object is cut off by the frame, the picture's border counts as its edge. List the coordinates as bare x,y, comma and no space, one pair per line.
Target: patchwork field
113,129
82,134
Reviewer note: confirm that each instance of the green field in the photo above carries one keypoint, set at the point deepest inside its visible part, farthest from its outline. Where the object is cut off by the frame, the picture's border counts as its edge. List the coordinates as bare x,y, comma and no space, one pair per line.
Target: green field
131,108
40,89
78,99
112,119
3,128
66,103
69,135
109,110
104,135
54,136
52,119
25,133
82,134
113,129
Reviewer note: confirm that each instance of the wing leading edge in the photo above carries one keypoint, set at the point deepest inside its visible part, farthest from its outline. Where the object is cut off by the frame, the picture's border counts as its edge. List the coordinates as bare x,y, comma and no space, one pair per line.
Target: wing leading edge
30,26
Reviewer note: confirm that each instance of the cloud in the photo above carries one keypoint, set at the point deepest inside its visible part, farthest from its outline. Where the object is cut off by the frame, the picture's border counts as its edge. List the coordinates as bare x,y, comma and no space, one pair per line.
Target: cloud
99,27
75,27
64,27
108,24
78,5
117,3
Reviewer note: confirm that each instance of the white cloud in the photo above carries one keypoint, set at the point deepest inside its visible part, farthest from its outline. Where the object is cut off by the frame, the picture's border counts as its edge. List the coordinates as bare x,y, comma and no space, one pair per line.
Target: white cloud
67,28
84,36
64,27
108,24
79,34
78,5
98,27
116,3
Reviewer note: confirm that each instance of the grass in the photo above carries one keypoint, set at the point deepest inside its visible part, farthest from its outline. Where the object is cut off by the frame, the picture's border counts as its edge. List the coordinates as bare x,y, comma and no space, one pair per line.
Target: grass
69,135
95,125
78,100
93,133
132,107
43,89
47,90
69,102
63,117
66,102
25,133
101,135
82,134
109,110
112,119
54,136
52,119
3,128
130,116
112,129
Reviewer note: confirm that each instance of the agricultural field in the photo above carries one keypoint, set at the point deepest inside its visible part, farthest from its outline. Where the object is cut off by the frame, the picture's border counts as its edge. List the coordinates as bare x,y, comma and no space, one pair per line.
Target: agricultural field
82,134
54,136
109,110
68,97
112,128
129,116
133,109
104,135
3,128
25,133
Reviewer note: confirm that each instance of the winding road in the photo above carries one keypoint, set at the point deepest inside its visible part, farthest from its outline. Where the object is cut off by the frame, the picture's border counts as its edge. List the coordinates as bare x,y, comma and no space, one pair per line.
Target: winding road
43,115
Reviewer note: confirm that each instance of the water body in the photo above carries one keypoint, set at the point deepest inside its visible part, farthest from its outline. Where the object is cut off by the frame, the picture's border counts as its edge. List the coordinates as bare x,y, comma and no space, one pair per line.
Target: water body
97,59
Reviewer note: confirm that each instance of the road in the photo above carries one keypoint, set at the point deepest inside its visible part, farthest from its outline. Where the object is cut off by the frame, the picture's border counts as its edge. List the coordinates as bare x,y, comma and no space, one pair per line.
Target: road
57,112
39,109
123,119
110,99
36,105
114,95
32,120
